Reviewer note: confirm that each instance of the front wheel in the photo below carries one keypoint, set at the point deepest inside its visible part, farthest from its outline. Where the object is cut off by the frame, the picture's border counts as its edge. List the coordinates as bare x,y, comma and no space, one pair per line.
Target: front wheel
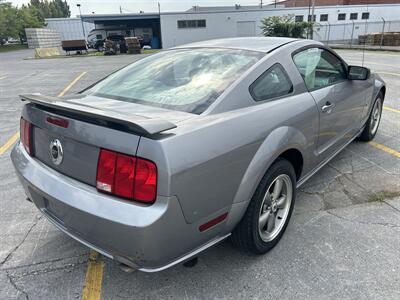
269,211
371,127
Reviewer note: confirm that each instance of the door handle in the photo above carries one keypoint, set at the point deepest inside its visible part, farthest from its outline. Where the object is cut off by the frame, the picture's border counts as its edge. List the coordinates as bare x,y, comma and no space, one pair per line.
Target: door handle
327,108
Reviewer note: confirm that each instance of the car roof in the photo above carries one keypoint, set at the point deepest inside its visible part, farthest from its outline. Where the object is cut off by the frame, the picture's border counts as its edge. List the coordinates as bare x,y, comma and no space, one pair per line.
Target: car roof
261,44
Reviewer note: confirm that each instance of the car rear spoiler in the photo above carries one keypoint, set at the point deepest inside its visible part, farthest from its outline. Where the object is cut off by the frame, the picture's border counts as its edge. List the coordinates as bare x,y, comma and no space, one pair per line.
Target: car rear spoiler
135,123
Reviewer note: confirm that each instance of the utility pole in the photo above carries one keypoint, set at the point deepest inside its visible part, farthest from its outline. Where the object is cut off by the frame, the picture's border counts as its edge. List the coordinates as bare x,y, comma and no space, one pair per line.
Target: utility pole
312,18
261,3
120,9
159,8
83,27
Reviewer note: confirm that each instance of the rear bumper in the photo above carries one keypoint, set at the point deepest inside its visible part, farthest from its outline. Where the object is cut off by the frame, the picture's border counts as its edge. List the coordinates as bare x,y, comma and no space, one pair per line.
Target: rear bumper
149,238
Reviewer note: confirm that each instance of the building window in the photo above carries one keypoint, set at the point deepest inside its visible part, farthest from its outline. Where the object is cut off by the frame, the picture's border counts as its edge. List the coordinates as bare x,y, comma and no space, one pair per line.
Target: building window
182,24
299,18
353,16
365,16
341,17
309,18
323,18
192,24
201,23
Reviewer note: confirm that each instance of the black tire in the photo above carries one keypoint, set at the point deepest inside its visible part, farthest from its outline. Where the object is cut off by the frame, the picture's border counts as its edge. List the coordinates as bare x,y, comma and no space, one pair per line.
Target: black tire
369,131
246,235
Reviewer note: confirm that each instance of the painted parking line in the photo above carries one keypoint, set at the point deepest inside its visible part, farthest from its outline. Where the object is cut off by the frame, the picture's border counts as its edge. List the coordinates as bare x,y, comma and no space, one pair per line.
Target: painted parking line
385,149
3,77
9,143
392,109
14,138
69,86
94,277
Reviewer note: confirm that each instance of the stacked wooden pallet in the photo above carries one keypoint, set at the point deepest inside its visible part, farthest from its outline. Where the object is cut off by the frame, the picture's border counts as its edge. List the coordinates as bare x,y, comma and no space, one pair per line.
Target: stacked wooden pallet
392,39
370,39
133,45
375,39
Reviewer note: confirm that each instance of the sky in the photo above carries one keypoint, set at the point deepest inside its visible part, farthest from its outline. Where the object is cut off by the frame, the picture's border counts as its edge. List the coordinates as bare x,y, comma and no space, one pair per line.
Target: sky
135,6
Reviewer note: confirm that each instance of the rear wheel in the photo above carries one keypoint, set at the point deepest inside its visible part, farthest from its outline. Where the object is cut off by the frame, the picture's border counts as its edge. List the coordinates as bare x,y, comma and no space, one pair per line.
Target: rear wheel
269,211
371,127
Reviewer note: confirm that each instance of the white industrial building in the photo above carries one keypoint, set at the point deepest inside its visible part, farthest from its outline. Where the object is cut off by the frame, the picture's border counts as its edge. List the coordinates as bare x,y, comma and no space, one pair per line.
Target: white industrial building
333,23
69,28
232,22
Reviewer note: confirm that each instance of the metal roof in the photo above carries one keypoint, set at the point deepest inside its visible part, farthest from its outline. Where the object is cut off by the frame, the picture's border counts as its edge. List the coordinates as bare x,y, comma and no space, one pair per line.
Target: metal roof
110,17
262,44
233,8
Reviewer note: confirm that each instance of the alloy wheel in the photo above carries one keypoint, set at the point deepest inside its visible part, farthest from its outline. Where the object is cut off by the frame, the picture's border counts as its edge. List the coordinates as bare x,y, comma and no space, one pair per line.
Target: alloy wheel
376,116
275,207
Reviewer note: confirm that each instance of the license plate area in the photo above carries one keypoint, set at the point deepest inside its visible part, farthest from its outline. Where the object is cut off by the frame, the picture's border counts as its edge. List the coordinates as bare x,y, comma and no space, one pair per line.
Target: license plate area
55,210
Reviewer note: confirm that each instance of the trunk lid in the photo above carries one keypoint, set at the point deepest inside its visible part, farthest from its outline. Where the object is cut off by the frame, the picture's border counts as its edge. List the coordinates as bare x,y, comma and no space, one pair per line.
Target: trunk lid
93,123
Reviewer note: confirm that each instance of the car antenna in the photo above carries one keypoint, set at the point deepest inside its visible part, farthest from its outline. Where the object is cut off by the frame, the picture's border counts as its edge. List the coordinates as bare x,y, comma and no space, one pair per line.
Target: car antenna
365,40
363,53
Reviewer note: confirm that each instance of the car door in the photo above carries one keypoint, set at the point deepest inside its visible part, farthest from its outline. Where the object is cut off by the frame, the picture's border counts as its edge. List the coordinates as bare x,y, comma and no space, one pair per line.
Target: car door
340,101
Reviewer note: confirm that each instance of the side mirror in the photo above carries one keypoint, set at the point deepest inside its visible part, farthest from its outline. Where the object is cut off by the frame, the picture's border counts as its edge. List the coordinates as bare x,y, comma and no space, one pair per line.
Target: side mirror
358,73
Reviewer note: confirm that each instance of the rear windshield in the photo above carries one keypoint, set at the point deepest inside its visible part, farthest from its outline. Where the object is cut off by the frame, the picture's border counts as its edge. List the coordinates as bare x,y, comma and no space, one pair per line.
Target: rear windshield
187,79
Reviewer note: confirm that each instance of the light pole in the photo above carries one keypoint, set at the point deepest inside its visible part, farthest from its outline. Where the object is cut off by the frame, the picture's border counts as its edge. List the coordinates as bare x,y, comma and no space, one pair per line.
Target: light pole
83,27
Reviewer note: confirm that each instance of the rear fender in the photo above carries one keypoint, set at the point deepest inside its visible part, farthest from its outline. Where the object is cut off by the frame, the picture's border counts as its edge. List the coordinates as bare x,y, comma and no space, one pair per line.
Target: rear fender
277,142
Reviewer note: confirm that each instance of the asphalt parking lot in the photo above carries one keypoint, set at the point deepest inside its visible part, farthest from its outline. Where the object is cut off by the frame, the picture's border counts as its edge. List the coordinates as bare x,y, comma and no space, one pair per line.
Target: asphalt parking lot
343,240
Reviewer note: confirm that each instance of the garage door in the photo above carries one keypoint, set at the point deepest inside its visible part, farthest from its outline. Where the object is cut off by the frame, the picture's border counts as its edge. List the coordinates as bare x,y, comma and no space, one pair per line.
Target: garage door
246,28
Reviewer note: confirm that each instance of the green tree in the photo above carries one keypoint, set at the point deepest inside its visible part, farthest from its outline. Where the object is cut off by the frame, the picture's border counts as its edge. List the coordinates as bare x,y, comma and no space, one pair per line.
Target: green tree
8,21
51,9
285,26
14,20
28,17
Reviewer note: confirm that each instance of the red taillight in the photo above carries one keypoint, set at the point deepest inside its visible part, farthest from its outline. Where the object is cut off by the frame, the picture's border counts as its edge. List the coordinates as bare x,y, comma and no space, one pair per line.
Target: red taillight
26,135
127,176
124,176
145,181
106,171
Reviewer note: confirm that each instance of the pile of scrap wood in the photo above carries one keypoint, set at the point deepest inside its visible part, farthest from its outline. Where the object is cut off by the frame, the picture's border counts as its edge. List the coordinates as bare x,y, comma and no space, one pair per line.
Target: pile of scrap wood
375,39
110,47
133,45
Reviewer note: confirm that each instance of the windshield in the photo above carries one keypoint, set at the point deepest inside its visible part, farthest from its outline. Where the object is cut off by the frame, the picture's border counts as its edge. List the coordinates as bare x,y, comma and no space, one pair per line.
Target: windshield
187,79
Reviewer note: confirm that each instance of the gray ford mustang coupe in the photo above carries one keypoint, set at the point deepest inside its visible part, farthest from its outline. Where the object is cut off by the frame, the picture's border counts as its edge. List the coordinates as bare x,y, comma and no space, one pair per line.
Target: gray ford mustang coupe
179,150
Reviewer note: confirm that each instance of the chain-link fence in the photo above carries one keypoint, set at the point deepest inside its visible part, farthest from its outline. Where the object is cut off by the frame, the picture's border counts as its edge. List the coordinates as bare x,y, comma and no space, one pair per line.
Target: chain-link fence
375,34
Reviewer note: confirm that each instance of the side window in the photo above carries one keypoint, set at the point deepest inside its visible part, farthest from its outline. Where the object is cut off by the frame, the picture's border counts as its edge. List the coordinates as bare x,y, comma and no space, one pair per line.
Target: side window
319,68
273,83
